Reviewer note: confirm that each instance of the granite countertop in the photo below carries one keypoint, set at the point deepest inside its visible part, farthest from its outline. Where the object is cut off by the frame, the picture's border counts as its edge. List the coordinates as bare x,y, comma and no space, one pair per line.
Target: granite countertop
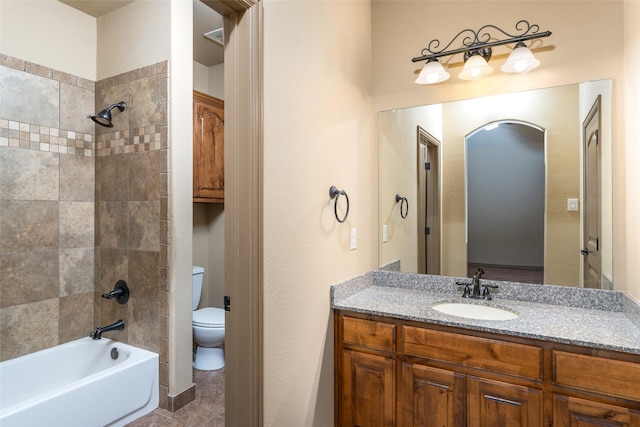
585,317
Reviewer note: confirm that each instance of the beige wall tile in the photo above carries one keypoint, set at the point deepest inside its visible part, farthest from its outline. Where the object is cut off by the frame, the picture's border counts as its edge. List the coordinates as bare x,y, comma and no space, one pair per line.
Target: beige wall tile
29,98
26,277
76,317
28,226
28,175
77,178
76,271
75,104
113,266
76,224
28,328
144,226
144,170
146,95
113,225
143,324
144,275
114,177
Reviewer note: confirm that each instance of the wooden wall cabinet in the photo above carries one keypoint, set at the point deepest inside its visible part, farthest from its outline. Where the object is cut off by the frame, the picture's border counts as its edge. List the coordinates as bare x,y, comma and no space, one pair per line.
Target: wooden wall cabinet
208,148
391,372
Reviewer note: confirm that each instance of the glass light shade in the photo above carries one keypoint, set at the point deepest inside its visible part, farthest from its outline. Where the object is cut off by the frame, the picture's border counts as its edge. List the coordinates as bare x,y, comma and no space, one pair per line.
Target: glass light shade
520,60
475,68
433,72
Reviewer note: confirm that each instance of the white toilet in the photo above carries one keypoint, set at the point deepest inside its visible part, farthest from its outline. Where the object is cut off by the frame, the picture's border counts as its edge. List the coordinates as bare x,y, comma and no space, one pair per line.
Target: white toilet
208,329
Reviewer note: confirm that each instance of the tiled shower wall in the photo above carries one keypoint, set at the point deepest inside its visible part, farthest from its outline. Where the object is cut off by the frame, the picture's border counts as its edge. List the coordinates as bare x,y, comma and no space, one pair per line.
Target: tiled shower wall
46,207
82,206
131,178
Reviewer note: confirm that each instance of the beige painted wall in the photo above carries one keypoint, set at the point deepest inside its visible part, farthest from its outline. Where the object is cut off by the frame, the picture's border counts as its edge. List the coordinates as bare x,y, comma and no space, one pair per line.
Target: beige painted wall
398,157
134,36
318,132
631,90
402,28
209,80
558,115
208,251
208,218
51,34
216,81
200,77
181,191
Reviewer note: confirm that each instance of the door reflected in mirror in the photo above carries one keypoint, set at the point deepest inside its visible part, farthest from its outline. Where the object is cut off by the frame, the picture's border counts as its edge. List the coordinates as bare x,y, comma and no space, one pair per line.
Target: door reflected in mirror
505,179
425,155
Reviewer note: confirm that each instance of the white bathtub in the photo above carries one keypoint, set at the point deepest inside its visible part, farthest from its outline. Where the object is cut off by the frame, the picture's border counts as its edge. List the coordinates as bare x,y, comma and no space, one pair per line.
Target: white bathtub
79,384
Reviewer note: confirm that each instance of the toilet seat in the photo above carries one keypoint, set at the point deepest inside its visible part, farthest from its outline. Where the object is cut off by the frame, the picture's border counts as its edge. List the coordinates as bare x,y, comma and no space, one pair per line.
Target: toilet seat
209,317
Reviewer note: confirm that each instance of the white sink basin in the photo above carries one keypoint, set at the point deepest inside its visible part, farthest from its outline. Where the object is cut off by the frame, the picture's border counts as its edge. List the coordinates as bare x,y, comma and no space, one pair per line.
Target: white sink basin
475,311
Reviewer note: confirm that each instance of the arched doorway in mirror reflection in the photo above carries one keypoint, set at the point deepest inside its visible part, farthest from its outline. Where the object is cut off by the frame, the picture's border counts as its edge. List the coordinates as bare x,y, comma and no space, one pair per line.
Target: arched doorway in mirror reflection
505,191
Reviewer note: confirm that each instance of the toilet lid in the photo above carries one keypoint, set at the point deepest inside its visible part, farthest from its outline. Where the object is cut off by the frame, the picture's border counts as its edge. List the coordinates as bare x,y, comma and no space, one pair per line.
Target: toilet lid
209,317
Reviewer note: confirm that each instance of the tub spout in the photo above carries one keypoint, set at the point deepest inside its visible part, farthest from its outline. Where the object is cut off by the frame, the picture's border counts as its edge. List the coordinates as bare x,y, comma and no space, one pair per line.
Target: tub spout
97,332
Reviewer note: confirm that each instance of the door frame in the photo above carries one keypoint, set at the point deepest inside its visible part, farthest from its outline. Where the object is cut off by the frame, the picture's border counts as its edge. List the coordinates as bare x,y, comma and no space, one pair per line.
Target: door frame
243,151
592,116
428,215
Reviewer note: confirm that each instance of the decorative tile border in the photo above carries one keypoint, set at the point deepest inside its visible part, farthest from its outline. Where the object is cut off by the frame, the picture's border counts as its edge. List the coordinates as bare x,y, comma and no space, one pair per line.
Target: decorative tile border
50,73
147,138
29,136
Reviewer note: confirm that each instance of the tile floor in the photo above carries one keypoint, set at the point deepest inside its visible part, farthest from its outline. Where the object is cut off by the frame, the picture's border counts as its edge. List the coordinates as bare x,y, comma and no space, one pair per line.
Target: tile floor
207,410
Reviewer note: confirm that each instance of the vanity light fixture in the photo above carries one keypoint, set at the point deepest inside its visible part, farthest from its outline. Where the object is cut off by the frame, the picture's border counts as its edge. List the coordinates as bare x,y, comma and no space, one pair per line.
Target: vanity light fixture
520,60
475,67
476,48
432,72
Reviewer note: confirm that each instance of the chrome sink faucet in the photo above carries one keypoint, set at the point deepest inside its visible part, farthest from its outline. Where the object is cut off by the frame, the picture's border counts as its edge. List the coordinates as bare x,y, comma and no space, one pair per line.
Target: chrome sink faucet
479,291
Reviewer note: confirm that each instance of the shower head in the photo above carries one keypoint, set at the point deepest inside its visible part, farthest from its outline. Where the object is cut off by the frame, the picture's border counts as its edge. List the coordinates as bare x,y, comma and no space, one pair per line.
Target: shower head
104,117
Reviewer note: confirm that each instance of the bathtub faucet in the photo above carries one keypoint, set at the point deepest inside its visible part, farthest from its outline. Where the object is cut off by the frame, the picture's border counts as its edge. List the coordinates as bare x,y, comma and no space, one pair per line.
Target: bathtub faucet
97,332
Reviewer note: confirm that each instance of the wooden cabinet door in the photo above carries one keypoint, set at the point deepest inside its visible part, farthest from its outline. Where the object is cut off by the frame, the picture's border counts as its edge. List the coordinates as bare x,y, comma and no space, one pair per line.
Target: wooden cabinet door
575,412
208,148
368,390
497,404
431,397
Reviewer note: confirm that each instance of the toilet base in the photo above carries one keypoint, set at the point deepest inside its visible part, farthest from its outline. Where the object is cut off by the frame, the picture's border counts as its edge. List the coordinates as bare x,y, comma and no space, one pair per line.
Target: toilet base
209,359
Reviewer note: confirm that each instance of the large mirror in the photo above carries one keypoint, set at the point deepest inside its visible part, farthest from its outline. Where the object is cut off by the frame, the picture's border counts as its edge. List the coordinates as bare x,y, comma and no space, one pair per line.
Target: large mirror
518,184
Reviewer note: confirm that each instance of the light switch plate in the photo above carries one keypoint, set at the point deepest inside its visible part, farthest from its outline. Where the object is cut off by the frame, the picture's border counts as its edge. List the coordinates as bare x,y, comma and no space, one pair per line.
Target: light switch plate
352,244
385,233
572,205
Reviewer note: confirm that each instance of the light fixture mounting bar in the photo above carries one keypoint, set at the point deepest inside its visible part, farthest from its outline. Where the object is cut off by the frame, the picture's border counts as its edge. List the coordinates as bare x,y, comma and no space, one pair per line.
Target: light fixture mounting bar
476,40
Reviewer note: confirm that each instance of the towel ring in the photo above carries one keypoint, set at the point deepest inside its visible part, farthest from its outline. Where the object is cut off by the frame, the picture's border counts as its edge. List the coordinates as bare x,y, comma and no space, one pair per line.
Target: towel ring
403,203
334,193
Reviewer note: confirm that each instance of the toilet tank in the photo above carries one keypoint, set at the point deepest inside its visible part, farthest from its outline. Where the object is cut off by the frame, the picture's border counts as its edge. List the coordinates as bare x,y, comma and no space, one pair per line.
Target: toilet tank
198,274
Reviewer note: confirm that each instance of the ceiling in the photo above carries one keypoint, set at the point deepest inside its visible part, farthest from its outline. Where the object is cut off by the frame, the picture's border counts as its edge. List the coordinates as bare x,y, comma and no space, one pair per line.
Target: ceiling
205,19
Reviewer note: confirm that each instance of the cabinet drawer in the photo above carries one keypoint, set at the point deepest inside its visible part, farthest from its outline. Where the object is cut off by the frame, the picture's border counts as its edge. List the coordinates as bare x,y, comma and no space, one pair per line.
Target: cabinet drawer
369,333
499,356
589,373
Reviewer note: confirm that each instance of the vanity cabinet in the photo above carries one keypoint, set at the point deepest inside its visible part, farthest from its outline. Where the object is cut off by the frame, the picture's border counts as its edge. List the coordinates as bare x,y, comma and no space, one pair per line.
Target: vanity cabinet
368,375
208,148
588,375
392,372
